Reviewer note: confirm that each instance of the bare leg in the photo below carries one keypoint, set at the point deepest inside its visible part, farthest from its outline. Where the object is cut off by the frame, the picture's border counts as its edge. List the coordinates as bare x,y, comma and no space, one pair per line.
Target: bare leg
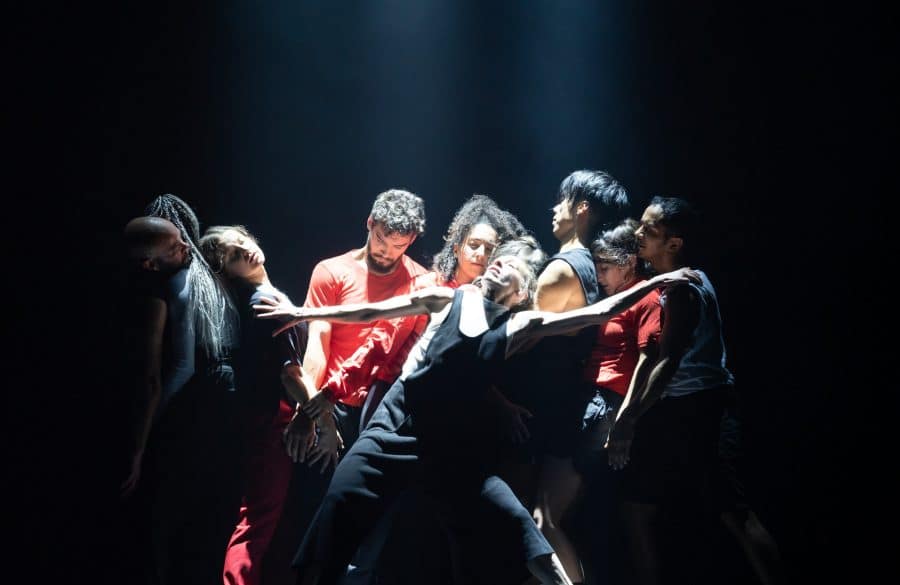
549,570
639,523
558,488
758,546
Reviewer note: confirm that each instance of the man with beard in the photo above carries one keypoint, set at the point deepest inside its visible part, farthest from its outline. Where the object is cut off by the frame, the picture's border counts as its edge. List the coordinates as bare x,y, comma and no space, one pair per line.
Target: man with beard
183,468
353,363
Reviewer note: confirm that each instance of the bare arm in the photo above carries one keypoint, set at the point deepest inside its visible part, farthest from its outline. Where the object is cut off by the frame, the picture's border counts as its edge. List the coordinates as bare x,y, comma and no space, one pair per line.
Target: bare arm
682,315
429,300
526,326
681,319
297,383
555,287
148,385
317,351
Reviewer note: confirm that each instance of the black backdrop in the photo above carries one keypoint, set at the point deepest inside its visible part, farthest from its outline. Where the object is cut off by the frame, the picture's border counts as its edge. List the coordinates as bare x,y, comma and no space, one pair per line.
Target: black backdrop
290,118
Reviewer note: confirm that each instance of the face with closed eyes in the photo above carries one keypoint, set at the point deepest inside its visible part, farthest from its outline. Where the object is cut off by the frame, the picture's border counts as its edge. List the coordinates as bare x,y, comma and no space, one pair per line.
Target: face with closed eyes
170,253
504,281
243,258
472,256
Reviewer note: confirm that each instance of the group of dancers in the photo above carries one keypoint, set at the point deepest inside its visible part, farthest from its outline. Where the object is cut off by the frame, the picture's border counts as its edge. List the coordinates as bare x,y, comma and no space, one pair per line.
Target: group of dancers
497,391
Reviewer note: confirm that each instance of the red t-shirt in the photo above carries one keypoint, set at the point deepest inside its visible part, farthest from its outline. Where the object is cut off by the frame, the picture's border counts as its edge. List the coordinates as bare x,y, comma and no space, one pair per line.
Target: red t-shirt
619,341
360,353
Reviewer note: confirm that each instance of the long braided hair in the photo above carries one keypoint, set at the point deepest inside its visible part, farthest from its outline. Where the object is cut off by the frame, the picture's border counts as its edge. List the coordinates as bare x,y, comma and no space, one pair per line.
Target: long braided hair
214,314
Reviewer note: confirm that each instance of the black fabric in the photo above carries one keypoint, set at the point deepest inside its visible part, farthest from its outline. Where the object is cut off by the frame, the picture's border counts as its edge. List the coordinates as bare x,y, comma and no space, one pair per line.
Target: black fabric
549,378
426,432
258,357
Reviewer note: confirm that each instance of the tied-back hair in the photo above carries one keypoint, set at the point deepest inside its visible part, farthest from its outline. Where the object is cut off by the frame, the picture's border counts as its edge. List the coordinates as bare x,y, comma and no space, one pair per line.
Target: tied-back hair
527,249
211,244
618,245
214,315
478,209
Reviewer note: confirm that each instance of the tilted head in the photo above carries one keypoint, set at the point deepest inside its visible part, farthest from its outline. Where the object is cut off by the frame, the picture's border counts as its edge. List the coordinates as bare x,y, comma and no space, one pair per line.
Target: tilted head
615,256
213,312
478,227
511,276
396,220
588,201
666,226
156,245
233,252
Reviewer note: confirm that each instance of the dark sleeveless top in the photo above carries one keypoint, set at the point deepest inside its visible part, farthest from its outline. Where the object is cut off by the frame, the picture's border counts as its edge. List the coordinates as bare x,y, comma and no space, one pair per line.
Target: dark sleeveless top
548,378
442,403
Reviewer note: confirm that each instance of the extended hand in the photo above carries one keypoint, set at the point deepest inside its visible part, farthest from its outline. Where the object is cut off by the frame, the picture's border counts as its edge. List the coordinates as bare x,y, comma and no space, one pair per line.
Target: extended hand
282,309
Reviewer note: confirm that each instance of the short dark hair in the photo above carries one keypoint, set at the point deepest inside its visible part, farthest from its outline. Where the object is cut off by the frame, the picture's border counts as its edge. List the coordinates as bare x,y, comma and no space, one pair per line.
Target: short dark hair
679,219
606,197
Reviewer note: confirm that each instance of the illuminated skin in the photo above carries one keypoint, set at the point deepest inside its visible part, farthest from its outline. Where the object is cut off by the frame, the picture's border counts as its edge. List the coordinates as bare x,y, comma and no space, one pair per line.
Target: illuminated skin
243,257
383,250
652,239
614,277
563,220
473,254
171,253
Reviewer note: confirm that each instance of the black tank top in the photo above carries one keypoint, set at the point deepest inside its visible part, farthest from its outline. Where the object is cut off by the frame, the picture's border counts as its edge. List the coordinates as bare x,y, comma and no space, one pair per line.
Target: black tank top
449,388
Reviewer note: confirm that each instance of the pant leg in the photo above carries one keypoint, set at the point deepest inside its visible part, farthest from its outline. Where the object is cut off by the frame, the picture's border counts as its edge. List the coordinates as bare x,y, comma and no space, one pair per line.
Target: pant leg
378,466
268,476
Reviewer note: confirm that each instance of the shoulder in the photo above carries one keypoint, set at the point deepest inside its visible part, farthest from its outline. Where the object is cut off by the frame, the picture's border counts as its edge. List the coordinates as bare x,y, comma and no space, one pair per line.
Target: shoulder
425,280
557,271
335,267
413,268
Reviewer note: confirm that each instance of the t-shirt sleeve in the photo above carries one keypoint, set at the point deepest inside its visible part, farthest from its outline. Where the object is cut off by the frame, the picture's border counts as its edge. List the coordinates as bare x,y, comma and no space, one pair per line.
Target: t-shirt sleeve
286,348
324,287
649,325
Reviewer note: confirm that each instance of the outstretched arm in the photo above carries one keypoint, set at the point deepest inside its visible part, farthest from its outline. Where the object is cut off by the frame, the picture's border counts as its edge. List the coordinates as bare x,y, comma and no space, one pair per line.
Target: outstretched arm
429,300
527,326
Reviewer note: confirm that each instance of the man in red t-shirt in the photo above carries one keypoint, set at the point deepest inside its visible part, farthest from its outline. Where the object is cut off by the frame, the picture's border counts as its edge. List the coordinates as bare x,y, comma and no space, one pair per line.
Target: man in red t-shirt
345,360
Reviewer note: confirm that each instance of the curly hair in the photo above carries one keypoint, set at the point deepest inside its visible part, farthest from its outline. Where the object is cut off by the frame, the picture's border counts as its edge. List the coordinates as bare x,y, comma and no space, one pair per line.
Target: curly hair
478,209
400,212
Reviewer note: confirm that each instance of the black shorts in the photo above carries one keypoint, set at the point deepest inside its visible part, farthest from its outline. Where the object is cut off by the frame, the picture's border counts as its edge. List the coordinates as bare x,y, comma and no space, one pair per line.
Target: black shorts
675,449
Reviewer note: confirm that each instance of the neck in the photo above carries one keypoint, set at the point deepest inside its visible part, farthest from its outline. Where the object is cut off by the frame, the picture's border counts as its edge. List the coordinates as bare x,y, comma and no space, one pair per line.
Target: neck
667,264
460,279
259,277
571,243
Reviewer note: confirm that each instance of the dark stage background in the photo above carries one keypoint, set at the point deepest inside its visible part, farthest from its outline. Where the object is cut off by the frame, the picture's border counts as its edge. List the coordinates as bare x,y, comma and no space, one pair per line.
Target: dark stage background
291,117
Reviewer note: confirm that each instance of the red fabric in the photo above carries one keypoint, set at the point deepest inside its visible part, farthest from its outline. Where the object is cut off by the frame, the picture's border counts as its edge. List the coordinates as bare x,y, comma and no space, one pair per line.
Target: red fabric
362,353
269,471
619,341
